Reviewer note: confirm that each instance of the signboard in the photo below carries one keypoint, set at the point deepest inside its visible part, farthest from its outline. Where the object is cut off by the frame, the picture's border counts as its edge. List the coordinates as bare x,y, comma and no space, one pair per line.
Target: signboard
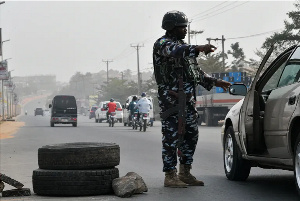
3,70
93,100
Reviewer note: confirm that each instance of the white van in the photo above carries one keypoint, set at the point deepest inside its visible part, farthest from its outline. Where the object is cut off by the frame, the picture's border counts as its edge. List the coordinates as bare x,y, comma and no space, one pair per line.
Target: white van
126,112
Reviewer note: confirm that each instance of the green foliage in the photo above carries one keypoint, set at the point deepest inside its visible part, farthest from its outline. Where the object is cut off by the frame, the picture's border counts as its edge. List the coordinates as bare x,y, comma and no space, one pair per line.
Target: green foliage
236,52
289,36
211,63
118,90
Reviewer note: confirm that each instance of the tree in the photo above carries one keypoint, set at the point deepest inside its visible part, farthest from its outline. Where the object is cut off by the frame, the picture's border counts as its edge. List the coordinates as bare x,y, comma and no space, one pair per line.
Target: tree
211,63
239,62
289,36
238,55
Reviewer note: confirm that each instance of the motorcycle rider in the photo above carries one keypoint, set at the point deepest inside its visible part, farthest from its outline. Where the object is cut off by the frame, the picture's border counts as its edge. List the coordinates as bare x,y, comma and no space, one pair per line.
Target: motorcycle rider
144,105
111,106
131,107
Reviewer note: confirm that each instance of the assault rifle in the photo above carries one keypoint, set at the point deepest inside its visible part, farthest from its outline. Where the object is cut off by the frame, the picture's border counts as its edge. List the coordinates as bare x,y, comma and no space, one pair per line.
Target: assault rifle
180,108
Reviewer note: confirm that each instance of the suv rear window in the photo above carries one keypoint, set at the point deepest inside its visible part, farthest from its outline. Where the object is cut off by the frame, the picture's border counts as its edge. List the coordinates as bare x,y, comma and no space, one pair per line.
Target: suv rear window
64,102
39,109
94,108
118,105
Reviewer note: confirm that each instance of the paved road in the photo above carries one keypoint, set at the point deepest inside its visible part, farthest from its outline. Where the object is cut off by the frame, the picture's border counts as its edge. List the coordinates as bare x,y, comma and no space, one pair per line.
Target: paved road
140,153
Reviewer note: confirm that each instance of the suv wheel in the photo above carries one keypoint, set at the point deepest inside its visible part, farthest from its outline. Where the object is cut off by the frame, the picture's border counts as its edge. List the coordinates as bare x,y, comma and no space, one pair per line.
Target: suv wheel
297,163
236,168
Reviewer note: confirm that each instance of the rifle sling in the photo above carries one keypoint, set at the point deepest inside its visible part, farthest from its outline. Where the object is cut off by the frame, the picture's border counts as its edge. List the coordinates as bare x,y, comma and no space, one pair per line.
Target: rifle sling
169,112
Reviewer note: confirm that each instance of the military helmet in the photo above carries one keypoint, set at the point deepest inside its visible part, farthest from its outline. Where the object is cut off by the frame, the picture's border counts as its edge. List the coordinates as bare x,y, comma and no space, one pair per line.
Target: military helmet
173,19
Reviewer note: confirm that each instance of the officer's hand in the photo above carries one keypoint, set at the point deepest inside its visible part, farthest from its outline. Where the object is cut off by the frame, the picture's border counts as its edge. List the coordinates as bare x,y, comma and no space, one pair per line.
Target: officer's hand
208,48
223,84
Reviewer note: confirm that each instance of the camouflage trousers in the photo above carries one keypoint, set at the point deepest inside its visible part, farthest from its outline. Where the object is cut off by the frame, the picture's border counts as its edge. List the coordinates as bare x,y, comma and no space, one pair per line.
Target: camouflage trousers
170,139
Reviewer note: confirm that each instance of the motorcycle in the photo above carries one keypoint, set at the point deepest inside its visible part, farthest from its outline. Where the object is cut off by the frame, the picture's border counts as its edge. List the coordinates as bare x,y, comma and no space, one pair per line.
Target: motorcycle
134,120
144,121
111,119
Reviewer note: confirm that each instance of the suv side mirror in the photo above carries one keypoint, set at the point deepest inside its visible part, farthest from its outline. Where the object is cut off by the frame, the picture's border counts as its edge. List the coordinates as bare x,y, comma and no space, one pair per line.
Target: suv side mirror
50,105
238,89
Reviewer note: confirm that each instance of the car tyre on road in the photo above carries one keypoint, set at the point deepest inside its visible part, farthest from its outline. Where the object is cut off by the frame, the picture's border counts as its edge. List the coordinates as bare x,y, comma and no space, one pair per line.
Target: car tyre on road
74,182
297,163
236,168
16,192
79,156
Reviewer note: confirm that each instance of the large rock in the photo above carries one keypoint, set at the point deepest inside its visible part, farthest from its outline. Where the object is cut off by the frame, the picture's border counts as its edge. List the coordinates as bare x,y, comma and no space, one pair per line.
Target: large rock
130,184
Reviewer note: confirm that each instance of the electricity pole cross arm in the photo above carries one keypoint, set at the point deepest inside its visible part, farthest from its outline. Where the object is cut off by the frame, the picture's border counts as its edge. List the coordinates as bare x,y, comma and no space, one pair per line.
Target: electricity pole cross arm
223,53
107,61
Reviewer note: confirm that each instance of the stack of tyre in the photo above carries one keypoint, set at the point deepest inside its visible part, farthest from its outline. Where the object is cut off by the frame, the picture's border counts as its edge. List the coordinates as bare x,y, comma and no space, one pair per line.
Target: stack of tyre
76,169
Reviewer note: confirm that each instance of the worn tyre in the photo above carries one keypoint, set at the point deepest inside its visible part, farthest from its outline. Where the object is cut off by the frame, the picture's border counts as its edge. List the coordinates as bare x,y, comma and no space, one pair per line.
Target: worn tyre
200,120
208,117
145,125
16,192
236,168
79,156
297,163
73,182
11,181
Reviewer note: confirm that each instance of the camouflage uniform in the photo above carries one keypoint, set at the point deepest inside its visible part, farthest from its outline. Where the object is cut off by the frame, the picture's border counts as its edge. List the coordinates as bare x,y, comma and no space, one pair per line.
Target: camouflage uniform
168,54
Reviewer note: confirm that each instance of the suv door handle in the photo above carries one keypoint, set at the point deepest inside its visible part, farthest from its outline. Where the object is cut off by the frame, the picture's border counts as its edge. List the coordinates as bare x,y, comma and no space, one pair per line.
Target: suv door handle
292,100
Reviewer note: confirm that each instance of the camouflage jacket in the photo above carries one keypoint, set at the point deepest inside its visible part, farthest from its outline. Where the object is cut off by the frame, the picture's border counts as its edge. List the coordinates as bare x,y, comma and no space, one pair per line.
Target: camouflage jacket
170,53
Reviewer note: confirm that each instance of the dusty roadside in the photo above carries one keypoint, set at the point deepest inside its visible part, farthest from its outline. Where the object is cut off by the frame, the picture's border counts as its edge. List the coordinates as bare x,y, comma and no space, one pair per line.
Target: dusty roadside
9,128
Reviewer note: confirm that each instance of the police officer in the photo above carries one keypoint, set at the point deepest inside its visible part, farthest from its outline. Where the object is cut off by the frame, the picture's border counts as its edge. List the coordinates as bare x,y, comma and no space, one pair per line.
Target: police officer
173,58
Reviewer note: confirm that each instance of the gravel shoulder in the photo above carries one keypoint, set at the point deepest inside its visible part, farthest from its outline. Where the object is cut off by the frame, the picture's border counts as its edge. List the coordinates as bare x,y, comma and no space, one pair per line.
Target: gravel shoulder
9,128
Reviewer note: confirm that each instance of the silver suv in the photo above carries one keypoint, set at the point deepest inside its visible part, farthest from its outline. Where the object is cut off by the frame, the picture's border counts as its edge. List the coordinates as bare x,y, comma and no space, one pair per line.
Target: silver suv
262,130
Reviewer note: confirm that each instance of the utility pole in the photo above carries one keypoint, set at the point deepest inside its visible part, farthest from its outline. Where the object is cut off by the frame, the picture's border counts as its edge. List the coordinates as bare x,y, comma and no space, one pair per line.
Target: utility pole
223,53
137,47
122,76
189,31
107,61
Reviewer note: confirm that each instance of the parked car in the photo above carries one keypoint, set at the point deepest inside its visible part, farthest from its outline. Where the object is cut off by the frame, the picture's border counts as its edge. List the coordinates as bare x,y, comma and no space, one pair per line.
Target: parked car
64,110
92,111
262,129
100,113
47,112
38,111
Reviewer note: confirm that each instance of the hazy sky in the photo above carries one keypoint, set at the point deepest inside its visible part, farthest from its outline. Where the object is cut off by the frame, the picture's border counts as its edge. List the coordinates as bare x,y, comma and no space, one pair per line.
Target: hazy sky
65,37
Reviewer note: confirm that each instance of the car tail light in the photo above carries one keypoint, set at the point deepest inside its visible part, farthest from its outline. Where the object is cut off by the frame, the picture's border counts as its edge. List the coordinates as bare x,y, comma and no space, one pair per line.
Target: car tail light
74,119
119,109
145,115
102,109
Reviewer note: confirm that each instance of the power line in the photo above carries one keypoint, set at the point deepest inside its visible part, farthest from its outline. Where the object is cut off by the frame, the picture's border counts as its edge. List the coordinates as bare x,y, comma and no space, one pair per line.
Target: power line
255,34
204,15
208,9
221,12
